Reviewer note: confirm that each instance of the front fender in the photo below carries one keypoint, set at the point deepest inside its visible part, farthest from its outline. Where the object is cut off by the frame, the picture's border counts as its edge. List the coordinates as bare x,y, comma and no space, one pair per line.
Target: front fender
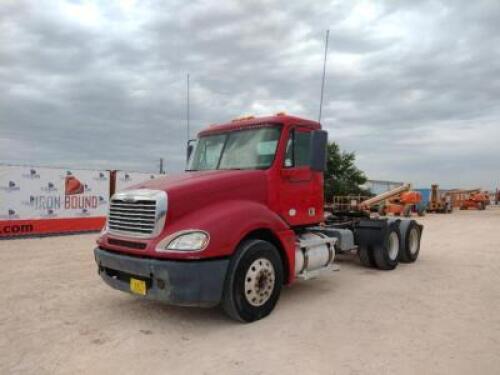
227,223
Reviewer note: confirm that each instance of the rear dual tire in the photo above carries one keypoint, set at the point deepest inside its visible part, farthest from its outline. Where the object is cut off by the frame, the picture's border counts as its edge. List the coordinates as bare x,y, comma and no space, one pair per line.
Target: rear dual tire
384,256
365,255
401,244
410,242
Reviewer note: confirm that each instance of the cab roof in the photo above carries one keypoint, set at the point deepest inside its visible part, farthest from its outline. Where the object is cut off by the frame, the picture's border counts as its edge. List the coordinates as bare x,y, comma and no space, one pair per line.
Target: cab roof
250,121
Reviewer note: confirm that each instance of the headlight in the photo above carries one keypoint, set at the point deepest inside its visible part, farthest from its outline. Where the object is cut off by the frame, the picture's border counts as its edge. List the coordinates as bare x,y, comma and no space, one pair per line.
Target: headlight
189,240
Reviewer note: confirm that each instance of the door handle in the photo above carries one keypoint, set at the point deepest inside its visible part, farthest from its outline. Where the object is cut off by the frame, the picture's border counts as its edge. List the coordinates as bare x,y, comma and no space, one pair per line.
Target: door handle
297,175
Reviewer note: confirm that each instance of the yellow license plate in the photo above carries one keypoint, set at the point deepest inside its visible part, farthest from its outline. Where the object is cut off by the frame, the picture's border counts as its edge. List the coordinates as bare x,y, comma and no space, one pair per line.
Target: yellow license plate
138,286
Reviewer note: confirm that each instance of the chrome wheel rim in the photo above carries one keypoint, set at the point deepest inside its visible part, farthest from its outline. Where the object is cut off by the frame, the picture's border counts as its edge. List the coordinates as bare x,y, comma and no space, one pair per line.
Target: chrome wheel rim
393,246
413,241
259,282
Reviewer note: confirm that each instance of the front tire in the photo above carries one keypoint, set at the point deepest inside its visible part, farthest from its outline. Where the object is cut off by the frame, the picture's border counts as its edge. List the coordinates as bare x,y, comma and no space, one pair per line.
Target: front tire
254,280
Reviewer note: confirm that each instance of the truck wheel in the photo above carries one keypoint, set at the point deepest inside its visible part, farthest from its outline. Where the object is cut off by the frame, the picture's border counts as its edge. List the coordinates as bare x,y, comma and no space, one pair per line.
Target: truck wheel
386,255
365,255
254,280
421,211
410,249
407,211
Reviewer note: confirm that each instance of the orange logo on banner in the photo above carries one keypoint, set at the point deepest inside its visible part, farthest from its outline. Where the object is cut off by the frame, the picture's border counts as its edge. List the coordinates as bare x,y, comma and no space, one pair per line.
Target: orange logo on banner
73,186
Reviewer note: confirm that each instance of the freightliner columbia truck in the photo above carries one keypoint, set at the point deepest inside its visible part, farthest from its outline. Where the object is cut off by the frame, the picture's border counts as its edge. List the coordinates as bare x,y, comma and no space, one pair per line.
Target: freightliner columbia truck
246,218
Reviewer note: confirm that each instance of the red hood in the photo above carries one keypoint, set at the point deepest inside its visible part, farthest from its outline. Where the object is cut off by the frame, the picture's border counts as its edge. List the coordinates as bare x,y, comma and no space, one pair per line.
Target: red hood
194,190
190,179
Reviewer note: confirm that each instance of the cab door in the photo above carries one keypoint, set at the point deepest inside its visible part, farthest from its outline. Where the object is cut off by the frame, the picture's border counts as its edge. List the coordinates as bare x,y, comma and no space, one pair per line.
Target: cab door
301,190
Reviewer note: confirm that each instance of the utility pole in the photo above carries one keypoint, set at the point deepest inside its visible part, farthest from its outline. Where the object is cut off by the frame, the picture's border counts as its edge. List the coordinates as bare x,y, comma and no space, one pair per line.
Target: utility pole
324,75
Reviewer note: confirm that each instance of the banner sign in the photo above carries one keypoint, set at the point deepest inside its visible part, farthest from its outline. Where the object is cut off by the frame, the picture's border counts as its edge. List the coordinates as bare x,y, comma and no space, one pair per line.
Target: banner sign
72,199
125,179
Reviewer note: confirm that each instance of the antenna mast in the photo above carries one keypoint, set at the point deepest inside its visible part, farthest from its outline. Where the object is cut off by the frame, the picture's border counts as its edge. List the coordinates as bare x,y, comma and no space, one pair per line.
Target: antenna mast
324,75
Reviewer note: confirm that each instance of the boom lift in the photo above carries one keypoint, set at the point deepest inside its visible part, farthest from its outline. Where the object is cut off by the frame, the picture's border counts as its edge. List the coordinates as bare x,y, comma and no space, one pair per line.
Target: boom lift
398,201
471,198
476,200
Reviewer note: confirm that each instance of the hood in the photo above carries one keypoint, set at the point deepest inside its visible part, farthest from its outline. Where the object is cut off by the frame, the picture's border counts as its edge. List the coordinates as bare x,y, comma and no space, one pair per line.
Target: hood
194,190
210,178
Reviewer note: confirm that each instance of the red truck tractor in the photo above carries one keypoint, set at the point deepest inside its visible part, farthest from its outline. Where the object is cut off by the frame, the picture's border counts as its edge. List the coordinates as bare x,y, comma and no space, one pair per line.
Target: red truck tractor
246,218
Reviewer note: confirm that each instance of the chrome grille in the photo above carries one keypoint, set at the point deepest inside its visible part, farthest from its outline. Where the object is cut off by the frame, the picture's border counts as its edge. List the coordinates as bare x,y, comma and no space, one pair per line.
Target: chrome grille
137,213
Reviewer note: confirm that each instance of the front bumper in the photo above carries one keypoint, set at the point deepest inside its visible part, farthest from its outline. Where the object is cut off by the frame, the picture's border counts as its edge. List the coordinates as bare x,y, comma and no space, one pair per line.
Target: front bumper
186,283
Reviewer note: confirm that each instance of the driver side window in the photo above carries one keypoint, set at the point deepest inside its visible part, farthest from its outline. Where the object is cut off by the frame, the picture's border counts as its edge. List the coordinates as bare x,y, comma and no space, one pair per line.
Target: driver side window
298,149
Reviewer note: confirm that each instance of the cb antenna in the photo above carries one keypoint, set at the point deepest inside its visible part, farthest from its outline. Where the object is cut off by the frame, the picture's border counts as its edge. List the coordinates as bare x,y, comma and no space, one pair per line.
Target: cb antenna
324,75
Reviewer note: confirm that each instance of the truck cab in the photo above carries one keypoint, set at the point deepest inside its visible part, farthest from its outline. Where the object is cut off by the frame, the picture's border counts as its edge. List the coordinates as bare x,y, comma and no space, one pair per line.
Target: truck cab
246,218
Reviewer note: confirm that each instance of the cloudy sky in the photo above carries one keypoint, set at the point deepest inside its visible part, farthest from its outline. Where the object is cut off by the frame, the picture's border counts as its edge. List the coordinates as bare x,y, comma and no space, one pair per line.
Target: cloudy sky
412,87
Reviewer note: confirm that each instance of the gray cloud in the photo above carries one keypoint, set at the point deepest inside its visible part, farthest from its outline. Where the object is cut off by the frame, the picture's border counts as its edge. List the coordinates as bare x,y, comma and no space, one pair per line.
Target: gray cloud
412,87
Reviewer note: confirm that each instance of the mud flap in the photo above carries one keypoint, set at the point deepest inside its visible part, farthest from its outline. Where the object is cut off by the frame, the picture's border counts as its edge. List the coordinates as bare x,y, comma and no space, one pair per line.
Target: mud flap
371,232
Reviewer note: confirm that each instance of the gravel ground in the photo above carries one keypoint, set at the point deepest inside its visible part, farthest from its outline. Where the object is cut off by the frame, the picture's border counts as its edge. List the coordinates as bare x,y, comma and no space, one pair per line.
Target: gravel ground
439,315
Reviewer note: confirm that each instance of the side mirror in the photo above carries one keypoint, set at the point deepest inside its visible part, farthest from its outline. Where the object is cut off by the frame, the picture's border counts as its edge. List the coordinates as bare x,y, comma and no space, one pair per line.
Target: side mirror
190,147
319,139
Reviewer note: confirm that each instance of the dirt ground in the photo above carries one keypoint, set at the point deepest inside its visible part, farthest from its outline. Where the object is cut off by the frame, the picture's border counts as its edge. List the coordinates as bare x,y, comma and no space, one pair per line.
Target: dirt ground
440,315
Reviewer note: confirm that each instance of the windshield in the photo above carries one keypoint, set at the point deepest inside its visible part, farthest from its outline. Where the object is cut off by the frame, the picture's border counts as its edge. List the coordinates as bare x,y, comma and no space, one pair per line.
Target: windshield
243,149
